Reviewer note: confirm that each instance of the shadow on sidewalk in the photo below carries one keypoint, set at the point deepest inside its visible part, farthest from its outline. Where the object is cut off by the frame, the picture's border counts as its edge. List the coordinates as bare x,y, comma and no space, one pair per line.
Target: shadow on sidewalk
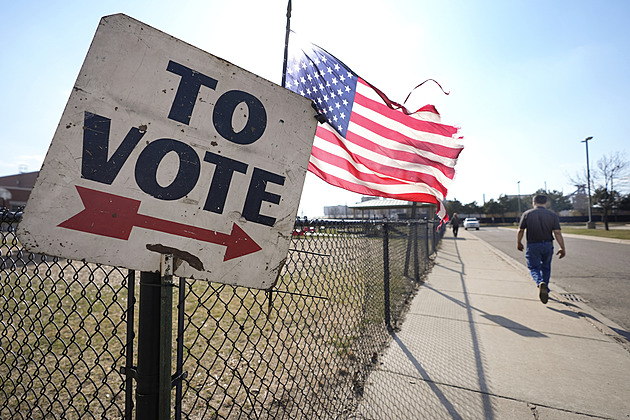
443,350
483,385
430,382
497,319
477,365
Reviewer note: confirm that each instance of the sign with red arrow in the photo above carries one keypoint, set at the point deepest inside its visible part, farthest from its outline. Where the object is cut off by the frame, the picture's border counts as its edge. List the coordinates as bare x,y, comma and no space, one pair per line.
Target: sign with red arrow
114,216
166,149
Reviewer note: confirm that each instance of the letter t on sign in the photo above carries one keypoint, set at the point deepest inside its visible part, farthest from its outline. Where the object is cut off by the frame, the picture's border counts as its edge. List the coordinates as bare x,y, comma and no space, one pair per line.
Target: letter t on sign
187,92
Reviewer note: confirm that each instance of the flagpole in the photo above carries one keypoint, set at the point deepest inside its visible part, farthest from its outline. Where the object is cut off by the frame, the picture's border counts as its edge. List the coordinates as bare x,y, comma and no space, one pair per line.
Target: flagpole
286,44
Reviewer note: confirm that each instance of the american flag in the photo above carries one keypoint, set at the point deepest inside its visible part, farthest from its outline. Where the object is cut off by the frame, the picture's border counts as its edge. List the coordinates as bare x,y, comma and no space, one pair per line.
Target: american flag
369,144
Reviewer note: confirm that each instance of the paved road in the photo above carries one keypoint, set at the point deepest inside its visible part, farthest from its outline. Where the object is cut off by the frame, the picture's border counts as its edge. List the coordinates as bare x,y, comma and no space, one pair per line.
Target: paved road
598,272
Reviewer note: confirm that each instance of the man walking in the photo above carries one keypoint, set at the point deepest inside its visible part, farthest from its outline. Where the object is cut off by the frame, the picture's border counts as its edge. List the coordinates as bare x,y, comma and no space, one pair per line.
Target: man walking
455,222
541,225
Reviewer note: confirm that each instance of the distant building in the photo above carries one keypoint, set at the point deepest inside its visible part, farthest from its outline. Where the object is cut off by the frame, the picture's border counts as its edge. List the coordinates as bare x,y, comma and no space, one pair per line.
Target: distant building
15,189
389,208
579,200
337,212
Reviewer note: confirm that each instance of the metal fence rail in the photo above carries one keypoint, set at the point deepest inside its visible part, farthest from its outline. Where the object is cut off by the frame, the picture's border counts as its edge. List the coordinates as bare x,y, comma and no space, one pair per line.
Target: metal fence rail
302,349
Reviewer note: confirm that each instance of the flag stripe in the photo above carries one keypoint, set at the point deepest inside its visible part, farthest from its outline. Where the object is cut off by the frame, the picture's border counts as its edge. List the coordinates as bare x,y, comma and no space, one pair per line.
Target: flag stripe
422,141
362,98
390,140
376,146
402,141
323,156
337,156
372,111
380,165
377,190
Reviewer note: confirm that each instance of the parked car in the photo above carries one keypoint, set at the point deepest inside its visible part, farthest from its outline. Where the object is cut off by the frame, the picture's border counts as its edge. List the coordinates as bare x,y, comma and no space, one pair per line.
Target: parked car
9,219
471,222
303,230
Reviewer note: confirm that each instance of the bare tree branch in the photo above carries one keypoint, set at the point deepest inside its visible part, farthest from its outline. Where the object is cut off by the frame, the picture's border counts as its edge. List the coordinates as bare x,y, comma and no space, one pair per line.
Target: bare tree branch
613,169
579,180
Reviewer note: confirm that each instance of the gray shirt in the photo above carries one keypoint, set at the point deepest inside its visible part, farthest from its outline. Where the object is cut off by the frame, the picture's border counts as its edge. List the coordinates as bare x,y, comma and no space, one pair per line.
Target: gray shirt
539,224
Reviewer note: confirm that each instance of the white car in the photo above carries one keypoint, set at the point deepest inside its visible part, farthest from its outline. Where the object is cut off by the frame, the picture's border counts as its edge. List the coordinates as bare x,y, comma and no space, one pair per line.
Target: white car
471,222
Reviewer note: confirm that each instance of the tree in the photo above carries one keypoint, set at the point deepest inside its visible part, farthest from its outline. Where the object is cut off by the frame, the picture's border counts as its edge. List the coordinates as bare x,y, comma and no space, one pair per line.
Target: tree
472,208
607,201
557,200
624,203
610,169
511,204
603,199
454,206
493,207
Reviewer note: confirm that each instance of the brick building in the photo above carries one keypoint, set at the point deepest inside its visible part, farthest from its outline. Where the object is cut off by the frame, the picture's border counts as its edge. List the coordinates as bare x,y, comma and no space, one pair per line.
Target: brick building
15,189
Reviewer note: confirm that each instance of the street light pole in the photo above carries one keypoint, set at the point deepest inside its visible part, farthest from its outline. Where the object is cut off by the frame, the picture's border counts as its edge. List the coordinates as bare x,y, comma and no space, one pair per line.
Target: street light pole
590,224
519,198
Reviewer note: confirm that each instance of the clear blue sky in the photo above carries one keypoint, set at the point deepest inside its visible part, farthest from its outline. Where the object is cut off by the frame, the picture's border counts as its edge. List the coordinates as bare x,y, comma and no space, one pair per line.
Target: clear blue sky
528,79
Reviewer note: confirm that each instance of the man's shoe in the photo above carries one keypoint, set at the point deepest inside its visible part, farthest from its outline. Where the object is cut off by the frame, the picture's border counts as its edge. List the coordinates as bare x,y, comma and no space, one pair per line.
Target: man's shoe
543,293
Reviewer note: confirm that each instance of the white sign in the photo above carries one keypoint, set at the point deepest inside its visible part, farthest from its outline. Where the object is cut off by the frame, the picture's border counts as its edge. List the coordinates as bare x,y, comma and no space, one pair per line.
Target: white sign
166,149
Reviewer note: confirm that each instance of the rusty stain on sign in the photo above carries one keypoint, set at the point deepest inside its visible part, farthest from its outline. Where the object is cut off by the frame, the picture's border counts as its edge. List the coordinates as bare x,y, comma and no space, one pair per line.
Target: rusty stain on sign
191,259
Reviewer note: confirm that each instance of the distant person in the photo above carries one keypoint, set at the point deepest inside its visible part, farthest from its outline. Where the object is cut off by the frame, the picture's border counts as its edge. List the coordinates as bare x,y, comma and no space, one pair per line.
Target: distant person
541,225
455,222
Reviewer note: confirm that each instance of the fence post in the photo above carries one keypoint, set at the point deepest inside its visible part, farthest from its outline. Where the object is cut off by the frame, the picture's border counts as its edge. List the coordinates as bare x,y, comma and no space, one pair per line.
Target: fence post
131,296
153,390
409,246
386,301
416,256
426,243
413,232
180,375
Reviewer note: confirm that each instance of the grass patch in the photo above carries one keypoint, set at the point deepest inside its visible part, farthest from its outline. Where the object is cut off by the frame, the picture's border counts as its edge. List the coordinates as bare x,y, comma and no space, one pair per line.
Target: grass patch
599,231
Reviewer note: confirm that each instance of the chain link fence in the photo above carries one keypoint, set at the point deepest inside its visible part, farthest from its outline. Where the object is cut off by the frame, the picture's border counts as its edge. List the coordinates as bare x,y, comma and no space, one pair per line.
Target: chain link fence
62,334
302,349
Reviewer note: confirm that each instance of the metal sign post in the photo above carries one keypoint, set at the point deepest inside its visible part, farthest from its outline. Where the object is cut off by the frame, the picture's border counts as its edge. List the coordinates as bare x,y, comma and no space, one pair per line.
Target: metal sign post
166,336
153,392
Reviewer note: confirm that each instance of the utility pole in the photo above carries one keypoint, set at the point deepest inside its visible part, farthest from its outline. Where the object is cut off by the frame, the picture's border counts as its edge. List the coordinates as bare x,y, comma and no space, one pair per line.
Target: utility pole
590,224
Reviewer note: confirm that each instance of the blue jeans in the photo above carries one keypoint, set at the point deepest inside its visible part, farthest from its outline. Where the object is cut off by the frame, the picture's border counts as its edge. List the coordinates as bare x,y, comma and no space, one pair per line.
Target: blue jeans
539,255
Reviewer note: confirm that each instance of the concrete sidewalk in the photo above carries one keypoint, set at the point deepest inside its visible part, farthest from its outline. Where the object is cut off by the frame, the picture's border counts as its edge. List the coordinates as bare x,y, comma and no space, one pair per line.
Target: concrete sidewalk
478,344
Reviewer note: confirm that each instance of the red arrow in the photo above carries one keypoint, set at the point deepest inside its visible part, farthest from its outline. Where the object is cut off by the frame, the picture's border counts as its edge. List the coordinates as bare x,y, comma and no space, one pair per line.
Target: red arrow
114,216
